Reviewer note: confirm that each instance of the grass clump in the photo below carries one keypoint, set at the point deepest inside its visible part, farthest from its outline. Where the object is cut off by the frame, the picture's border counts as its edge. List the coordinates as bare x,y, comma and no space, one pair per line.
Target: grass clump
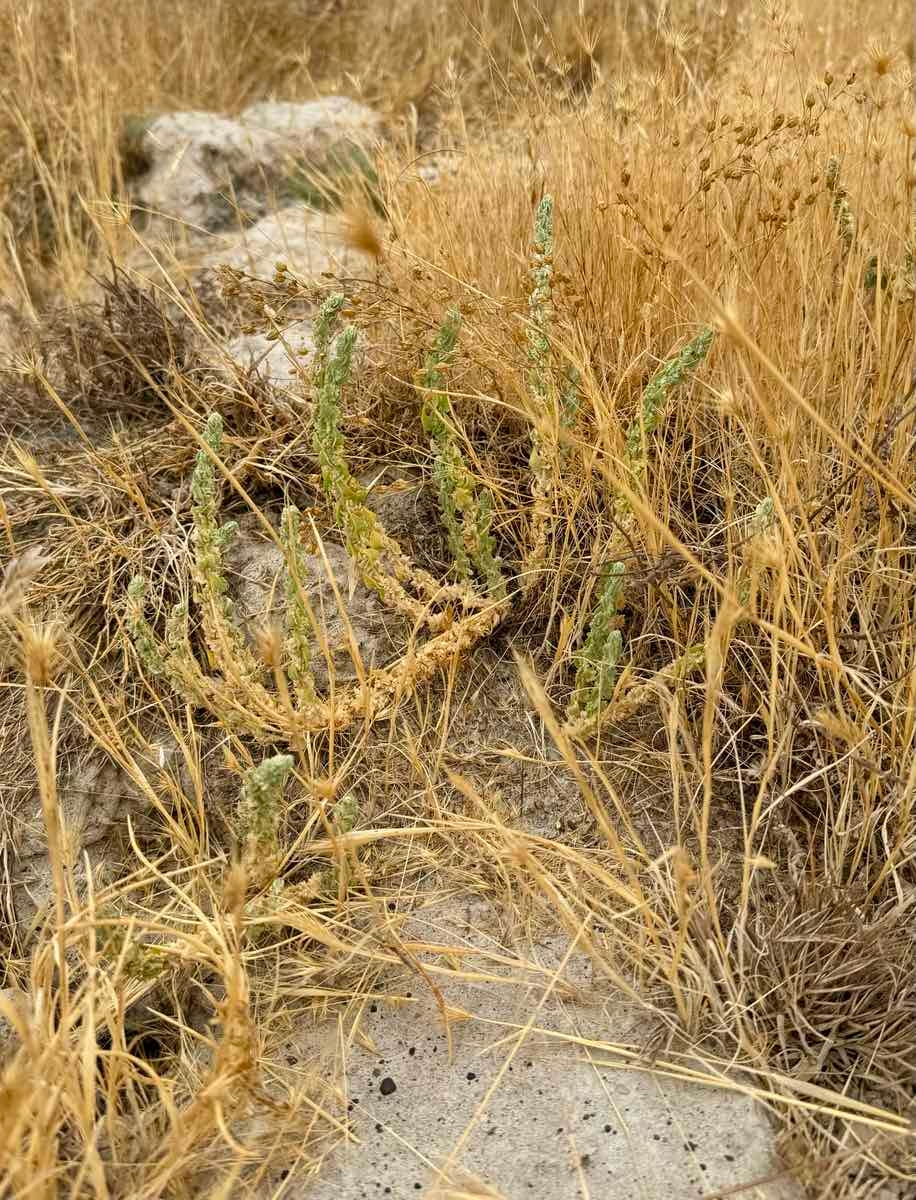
346,170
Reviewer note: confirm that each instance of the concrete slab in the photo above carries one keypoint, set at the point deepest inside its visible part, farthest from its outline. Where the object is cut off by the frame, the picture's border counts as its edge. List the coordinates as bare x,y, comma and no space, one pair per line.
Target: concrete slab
553,1127
543,1121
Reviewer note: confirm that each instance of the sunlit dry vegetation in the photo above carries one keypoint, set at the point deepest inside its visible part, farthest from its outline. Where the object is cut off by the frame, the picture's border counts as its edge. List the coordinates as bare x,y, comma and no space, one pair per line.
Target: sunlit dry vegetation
643,350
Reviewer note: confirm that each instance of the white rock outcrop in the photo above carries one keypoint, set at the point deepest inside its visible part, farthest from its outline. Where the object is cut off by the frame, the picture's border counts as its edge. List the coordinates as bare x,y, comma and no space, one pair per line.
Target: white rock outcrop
311,244
282,363
205,172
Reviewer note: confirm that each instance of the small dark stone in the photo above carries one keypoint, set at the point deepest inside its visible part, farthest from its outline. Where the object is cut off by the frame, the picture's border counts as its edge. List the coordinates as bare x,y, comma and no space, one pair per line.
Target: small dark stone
387,1086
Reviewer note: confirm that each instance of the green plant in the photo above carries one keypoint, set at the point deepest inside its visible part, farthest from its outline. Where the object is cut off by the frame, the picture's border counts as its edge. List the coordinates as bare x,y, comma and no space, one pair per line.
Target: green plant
233,688
652,406
343,817
896,277
466,511
383,565
554,405
211,540
259,811
299,627
540,302
597,661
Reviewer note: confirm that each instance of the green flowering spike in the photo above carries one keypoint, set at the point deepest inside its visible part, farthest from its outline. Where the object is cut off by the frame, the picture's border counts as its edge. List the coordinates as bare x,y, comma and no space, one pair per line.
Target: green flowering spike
325,320
365,538
176,628
225,535
467,516
144,639
600,656
569,397
438,357
225,644
758,523
339,485
259,810
672,373
445,473
298,623
540,301
569,409
207,540
607,672
484,547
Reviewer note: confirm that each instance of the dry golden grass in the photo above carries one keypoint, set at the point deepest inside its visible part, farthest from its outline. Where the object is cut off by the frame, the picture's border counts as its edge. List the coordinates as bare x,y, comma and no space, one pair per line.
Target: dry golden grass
746,843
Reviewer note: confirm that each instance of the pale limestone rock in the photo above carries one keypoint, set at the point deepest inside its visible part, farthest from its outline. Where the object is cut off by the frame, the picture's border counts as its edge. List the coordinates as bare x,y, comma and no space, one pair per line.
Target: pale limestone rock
206,172
280,363
311,244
